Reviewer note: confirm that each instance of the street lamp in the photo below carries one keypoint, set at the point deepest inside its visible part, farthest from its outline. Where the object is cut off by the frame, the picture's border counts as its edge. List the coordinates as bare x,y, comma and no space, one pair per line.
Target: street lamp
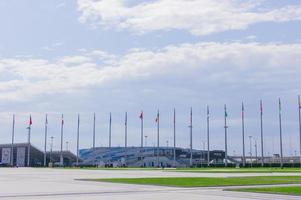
250,138
255,139
51,146
67,145
145,140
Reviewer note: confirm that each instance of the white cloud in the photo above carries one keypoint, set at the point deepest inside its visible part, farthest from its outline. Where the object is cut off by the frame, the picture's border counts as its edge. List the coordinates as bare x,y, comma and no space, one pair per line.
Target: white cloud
198,17
223,63
75,59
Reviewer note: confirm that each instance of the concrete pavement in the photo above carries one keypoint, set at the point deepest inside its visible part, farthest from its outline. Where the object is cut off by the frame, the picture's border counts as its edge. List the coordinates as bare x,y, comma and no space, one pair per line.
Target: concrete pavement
34,183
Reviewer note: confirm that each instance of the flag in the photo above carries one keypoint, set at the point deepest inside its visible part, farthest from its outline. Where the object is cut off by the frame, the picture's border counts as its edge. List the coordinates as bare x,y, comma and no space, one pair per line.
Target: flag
299,101
208,112
46,120
30,121
174,115
62,119
126,119
279,105
226,114
157,118
141,115
261,107
190,115
242,110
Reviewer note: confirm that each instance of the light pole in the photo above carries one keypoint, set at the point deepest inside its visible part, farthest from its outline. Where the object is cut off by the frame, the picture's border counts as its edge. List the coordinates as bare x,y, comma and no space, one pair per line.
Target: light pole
51,146
145,140
203,152
255,140
251,159
67,145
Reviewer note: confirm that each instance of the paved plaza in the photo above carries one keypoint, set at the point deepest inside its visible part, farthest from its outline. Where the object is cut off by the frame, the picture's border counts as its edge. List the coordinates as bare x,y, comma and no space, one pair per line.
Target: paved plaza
39,183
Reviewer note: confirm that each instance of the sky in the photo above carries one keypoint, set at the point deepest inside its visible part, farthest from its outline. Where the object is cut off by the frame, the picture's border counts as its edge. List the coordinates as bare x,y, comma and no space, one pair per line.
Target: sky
83,56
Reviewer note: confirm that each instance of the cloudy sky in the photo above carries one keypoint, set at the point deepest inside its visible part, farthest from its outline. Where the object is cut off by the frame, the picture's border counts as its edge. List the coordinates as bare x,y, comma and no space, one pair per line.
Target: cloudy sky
85,56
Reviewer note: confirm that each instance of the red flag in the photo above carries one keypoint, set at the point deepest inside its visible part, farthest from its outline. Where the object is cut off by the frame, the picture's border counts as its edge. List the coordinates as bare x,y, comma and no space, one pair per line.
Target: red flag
141,115
30,121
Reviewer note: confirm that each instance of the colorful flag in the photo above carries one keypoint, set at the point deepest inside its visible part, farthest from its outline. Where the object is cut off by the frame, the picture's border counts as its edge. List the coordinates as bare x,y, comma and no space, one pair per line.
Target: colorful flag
226,114
30,121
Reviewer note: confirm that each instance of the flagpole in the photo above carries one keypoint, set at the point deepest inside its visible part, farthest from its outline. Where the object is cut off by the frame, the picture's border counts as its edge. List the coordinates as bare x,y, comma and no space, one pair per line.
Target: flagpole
299,109
141,117
190,126
62,135
174,137
45,143
94,123
12,142
126,130
110,131
158,137
226,145
29,133
243,134
208,137
126,135
77,143
280,134
261,133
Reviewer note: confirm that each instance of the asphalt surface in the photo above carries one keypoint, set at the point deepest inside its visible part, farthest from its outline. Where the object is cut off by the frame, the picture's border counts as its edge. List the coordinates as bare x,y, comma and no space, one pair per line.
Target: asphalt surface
30,183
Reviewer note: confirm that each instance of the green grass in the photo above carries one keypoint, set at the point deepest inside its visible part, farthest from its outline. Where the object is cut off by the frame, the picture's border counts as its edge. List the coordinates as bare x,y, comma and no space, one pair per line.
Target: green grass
206,182
202,170
291,190
240,170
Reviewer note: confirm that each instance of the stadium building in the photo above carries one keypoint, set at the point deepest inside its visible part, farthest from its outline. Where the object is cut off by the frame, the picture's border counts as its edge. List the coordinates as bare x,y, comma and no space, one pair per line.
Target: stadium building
147,157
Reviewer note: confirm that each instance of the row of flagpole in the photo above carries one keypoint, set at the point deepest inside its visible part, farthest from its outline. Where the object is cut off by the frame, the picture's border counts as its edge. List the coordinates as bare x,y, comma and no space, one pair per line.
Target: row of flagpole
157,120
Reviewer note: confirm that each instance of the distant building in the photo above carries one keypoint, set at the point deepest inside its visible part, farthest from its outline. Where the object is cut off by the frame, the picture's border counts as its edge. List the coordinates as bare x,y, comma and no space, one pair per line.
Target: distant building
147,157
19,154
